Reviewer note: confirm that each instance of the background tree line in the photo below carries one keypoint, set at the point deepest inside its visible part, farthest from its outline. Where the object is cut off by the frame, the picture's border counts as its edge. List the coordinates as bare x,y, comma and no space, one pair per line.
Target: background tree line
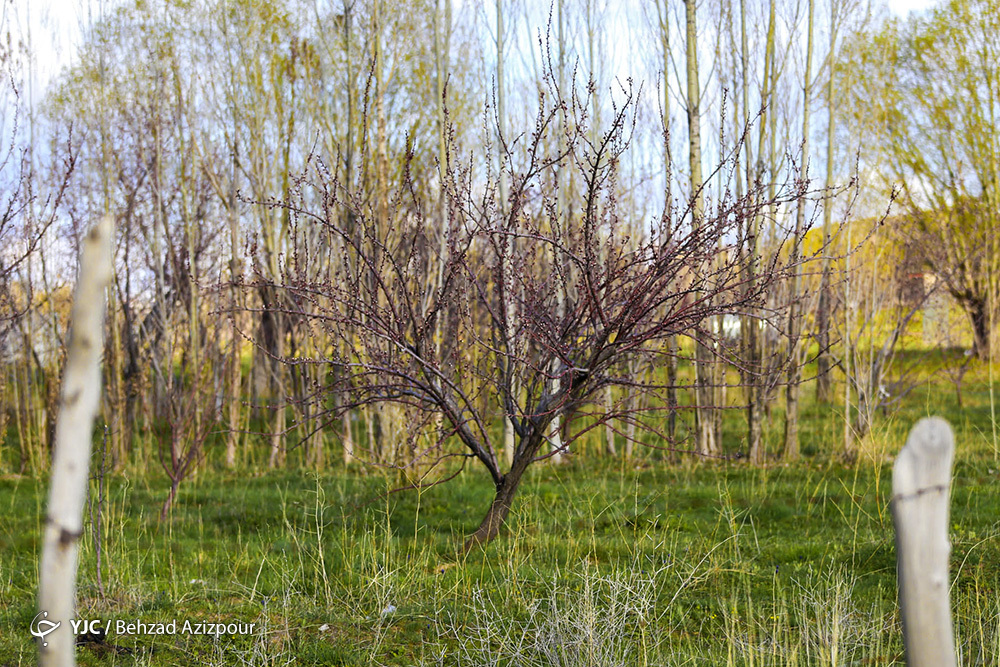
410,233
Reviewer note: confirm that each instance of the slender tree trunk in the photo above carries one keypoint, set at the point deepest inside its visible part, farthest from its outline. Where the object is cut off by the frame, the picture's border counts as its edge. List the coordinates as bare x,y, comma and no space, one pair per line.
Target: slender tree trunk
637,404
381,141
5,409
313,420
21,417
34,438
609,431
704,421
162,380
824,379
193,355
347,438
663,12
376,442
171,496
278,392
795,307
592,24
629,440
719,367
442,47
555,431
848,354
509,439
235,275
750,322
756,342
115,396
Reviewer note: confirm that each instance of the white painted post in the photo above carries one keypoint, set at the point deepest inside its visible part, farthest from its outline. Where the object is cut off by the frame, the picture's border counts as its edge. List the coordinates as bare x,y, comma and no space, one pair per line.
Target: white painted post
921,481
81,394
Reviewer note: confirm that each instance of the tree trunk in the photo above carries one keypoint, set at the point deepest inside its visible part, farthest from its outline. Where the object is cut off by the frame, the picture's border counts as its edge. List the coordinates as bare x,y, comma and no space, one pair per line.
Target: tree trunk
663,12
754,419
509,438
795,308
635,407
555,430
381,140
235,275
672,403
758,405
114,394
169,502
792,418
979,317
848,353
824,381
347,439
496,516
278,393
704,423
609,431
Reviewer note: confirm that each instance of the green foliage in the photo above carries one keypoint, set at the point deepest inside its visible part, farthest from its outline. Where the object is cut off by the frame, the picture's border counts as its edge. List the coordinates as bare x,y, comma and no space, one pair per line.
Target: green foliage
922,95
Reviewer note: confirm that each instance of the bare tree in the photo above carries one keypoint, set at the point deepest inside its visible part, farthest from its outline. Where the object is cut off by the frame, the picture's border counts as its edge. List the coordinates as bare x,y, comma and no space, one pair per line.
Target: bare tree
516,348
183,447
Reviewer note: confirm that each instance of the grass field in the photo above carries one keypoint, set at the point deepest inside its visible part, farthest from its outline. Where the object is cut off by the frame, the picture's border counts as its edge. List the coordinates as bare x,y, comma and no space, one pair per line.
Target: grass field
650,562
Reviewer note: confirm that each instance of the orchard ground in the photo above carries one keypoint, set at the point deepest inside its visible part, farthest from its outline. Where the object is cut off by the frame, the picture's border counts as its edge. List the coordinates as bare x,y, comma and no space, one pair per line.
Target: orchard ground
661,560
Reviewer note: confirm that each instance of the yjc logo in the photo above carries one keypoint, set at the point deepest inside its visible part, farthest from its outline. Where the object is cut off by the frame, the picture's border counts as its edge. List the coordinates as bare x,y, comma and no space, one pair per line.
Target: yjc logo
41,627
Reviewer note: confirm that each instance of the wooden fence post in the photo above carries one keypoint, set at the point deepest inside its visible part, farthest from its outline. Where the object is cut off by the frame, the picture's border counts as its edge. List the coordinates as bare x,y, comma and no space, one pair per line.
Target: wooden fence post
81,394
921,481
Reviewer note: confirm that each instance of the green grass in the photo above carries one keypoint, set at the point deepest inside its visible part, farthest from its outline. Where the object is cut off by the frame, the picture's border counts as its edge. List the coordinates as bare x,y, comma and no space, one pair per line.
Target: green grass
603,563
